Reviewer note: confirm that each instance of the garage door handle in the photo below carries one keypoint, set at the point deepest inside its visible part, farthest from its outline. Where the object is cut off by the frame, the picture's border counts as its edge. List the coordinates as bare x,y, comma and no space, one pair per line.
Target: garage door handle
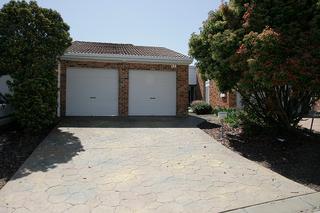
152,98
92,97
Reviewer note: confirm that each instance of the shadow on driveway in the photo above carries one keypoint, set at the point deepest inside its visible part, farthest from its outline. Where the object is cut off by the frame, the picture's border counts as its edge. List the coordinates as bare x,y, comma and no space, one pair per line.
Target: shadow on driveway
60,146
57,148
132,122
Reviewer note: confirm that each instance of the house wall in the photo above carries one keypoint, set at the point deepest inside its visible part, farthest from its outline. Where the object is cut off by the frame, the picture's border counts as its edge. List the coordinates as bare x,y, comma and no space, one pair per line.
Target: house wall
229,101
123,68
200,90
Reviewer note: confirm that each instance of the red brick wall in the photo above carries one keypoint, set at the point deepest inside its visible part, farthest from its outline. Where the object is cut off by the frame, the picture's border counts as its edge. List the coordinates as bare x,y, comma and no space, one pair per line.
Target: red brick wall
182,90
123,98
230,101
123,68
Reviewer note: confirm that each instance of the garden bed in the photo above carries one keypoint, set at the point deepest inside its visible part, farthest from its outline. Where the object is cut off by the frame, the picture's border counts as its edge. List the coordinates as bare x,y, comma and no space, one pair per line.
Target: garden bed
295,156
15,148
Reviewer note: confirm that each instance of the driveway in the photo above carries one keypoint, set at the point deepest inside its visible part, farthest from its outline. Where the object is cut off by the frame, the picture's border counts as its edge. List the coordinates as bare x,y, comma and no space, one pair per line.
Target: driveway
138,165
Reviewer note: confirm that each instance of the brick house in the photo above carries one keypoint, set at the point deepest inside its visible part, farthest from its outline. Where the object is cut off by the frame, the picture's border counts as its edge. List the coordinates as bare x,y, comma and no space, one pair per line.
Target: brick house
209,92
105,79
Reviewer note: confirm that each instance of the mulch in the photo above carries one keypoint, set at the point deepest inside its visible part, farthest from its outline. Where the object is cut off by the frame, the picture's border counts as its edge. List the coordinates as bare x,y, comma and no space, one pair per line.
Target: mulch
15,147
295,155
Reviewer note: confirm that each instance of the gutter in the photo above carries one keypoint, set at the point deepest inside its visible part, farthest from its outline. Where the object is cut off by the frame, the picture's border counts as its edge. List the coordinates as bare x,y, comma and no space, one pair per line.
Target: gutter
125,58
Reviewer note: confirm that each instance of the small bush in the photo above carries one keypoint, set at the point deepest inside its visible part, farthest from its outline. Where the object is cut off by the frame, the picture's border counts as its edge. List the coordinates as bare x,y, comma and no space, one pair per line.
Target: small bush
234,118
201,108
219,109
195,103
222,109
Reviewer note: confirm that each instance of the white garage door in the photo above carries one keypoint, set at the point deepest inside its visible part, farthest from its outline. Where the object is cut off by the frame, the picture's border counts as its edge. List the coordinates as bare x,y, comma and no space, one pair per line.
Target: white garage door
91,92
152,92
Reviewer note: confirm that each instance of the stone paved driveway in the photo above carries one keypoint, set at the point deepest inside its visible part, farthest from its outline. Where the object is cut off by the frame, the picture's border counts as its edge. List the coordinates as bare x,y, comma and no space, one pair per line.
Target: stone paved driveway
138,165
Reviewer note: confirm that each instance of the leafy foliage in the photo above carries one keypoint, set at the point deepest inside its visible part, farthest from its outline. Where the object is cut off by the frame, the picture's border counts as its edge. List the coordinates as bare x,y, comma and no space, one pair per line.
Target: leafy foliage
234,118
195,103
31,39
201,107
269,53
222,109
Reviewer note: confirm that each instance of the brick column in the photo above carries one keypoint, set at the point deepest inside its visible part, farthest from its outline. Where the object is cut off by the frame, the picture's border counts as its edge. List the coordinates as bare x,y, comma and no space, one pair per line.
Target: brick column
62,89
123,98
182,90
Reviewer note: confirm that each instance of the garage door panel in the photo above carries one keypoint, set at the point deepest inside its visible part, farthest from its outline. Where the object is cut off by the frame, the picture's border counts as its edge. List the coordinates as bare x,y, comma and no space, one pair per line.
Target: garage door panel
92,92
152,92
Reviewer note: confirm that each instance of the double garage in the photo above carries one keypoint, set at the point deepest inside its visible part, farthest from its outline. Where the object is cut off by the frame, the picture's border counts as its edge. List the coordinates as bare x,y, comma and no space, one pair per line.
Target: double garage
95,92
107,79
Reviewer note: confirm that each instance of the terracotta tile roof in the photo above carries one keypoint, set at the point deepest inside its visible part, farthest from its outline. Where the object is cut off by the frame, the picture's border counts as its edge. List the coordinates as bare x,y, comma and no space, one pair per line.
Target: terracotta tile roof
82,47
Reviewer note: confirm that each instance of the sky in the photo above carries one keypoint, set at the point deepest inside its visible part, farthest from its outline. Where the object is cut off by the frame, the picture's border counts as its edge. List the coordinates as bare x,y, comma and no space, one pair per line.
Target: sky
165,23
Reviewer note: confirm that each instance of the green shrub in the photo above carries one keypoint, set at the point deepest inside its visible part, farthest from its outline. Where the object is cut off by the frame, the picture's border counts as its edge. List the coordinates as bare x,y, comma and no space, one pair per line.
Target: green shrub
35,104
233,118
222,109
201,108
253,125
31,40
195,103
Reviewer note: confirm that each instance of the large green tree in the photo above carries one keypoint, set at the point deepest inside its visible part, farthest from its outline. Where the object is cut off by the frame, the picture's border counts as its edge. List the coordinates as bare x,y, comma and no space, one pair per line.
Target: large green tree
268,51
31,40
